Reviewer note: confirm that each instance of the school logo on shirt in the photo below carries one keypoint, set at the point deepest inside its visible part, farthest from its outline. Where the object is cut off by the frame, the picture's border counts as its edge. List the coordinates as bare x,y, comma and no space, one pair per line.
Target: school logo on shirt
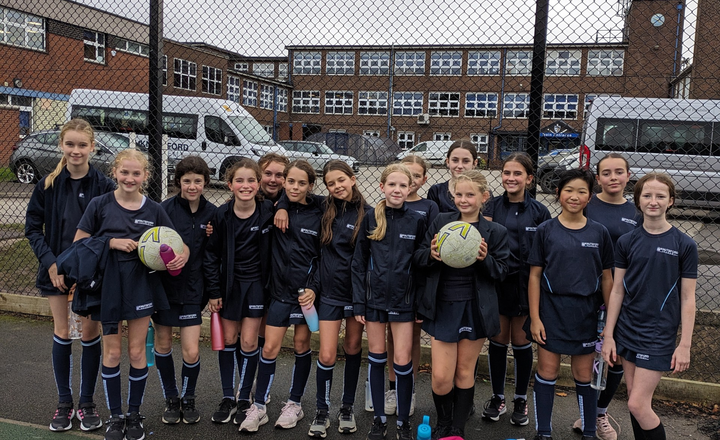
588,344
254,228
349,226
422,213
629,221
407,237
266,230
465,329
203,226
139,221
81,195
670,252
189,316
309,232
642,357
348,308
587,244
144,306
530,228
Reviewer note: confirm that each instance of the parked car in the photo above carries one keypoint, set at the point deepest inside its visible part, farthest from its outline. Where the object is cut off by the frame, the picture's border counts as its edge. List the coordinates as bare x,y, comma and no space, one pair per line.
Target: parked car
317,154
434,152
550,165
38,153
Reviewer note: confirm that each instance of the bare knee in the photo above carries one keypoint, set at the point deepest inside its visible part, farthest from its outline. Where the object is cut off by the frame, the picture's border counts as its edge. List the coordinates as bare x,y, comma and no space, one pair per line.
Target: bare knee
136,354
248,344
327,357
191,355
442,384
111,356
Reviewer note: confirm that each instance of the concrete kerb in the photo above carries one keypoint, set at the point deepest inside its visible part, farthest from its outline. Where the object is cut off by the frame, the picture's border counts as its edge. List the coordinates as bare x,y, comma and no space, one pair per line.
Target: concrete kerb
668,389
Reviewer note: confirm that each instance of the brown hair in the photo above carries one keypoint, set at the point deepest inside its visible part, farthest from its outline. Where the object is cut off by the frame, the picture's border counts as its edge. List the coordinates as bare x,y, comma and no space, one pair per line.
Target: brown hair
660,177
249,164
80,125
269,158
357,199
612,156
191,164
378,233
523,159
465,144
412,158
302,165
133,154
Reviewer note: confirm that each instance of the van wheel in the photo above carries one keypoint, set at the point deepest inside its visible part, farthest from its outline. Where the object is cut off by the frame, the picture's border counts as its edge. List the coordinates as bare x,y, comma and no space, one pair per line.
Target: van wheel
27,173
548,182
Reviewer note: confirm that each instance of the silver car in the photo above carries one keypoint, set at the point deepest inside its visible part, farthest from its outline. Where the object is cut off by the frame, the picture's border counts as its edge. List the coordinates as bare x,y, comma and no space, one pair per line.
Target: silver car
317,154
37,154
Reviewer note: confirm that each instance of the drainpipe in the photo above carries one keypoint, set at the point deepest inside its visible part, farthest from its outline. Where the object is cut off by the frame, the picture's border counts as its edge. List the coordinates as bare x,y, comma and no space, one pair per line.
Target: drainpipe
501,100
677,46
390,91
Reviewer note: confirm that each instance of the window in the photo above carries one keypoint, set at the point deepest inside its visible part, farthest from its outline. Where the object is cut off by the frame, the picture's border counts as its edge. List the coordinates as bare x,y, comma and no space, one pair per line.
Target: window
339,102
282,100
164,70
217,130
444,104
682,88
373,133
21,29
481,105
518,62
605,62
441,136
589,99
282,71
211,80
483,63
563,62
560,106
266,97
306,63
340,63
515,105
242,67
132,47
94,46
306,101
374,63
128,120
268,129
615,135
266,70
372,103
185,74
407,103
233,88
481,142
410,63
250,92
446,63
406,139
674,137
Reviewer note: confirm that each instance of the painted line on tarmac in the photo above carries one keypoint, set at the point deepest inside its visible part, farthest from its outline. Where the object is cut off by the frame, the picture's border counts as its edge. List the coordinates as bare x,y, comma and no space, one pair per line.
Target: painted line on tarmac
77,433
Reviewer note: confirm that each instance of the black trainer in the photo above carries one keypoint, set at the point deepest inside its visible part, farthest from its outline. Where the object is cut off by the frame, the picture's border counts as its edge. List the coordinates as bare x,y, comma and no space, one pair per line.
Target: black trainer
190,414
115,428
319,426
440,431
520,411
62,419
542,437
404,431
242,407
89,417
172,414
225,411
134,429
494,408
378,430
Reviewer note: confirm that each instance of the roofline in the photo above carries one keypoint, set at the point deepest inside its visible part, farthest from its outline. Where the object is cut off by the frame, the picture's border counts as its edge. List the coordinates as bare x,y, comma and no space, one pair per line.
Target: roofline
455,46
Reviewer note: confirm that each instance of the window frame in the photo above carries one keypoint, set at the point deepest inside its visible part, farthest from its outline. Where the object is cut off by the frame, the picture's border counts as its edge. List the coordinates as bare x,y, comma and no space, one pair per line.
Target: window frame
414,108
311,101
565,62
191,74
31,25
125,47
264,69
487,102
347,103
250,93
97,46
211,84
344,57
597,69
474,58
403,137
307,63
369,100
522,60
526,103
414,66
366,67
552,111
267,97
475,139
234,86
440,67
435,107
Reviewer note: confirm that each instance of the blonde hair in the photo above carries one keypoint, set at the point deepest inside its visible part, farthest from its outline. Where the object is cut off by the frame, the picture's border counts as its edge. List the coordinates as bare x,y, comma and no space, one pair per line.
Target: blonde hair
475,177
80,125
378,233
412,158
133,154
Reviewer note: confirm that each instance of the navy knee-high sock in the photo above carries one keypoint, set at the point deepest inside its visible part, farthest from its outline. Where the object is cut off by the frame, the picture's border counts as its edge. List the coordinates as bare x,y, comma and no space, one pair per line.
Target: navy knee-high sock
190,373
544,396
111,384
587,400
323,379
166,371
523,368
301,373
377,382
247,366
614,377
261,342
226,361
497,361
444,407
638,432
657,433
265,377
404,386
351,375
62,367
89,368
462,405
136,388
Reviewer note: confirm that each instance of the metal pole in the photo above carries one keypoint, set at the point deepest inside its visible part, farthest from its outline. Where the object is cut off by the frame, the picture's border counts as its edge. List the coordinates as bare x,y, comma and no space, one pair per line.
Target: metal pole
155,92
536,82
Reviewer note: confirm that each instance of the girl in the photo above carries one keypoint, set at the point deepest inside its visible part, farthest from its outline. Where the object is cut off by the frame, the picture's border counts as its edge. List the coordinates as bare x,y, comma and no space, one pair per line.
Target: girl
272,166
564,297
130,292
428,209
461,156
520,214
294,261
653,293
383,292
619,216
236,269
459,306
191,214
55,208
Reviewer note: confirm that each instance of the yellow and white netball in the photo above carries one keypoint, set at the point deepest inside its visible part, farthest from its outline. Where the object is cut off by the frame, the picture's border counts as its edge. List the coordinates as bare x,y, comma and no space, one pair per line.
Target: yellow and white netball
149,245
458,244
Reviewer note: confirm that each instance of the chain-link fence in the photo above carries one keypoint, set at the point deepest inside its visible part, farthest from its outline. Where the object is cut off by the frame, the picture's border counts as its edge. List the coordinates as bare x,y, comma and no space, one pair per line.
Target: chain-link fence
370,82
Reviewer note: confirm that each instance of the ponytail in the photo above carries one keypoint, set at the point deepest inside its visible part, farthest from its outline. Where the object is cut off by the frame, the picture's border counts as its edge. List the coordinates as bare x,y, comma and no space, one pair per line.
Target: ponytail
379,232
80,125
50,179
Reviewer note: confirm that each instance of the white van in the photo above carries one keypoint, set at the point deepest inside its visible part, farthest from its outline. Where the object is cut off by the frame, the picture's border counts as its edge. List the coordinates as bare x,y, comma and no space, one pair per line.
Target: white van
679,137
219,131
434,152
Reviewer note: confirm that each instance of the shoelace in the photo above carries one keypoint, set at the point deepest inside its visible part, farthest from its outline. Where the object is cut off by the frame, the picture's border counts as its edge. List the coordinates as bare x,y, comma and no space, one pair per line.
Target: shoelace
289,409
345,413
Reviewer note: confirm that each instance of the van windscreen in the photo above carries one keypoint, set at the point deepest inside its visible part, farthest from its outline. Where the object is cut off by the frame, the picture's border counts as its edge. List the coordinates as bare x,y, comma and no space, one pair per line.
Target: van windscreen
251,130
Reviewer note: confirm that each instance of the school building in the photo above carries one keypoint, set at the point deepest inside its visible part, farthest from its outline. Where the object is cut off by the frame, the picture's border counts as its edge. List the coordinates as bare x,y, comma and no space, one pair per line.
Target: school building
407,93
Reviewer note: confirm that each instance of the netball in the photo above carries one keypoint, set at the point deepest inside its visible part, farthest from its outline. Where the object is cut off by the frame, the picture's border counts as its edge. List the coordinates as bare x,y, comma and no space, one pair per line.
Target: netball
150,242
458,244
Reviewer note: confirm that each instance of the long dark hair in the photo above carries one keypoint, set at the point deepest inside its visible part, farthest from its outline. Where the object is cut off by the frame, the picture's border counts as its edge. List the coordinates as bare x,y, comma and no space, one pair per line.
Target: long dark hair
357,200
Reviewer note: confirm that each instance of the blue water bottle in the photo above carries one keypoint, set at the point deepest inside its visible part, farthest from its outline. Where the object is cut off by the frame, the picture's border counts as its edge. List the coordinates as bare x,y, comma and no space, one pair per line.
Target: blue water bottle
424,431
150,346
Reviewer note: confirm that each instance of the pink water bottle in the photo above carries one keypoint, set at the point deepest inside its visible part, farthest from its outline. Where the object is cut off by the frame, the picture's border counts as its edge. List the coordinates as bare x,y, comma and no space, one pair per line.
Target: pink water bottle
311,316
167,254
217,336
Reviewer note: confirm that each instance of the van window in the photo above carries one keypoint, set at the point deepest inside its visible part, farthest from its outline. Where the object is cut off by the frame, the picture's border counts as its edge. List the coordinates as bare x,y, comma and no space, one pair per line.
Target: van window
672,137
420,147
716,140
615,135
180,126
217,130
127,120
251,129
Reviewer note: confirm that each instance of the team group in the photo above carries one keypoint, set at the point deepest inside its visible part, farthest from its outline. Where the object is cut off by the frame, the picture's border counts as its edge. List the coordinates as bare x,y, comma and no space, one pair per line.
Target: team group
275,247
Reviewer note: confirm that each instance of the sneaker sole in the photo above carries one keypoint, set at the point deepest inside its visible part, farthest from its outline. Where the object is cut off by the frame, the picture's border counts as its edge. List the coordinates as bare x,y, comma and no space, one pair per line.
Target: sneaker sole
496,418
520,423
190,422
317,434
66,428
291,425
263,420
170,422
347,430
232,413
